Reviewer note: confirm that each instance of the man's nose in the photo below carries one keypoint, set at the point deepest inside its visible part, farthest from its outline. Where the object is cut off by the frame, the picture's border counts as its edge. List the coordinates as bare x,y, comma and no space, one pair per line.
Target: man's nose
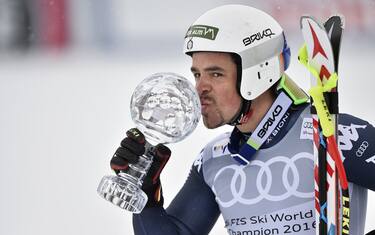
203,84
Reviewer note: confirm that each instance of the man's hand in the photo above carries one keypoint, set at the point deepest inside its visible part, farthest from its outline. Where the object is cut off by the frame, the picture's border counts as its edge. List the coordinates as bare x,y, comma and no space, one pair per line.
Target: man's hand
133,146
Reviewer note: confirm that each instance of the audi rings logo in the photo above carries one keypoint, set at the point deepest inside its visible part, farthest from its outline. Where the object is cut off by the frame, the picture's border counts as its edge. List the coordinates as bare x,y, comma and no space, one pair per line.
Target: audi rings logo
308,125
362,149
263,182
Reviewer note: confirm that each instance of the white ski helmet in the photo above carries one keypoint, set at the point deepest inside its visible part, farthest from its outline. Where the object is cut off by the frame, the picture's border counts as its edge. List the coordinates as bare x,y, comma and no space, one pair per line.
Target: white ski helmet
252,34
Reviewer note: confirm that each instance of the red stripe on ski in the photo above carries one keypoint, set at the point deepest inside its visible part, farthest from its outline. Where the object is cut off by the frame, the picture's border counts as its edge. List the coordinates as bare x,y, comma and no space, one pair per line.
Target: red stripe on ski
317,206
316,133
317,47
334,152
324,73
329,169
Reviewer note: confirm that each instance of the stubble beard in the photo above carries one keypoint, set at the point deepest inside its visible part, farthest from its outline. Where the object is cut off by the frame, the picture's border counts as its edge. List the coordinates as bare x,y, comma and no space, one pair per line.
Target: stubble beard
214,119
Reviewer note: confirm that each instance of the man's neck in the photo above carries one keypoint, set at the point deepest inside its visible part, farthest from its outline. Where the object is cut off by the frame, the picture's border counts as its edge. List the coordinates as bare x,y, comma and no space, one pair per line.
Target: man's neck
258,109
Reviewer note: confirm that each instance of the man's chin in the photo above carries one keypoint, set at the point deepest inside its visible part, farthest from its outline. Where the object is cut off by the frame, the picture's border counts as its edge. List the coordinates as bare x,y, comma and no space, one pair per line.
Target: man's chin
211,125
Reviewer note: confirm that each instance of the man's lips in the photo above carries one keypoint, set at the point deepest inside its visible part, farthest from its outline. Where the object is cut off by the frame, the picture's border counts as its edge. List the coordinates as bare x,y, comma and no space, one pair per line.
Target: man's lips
205,102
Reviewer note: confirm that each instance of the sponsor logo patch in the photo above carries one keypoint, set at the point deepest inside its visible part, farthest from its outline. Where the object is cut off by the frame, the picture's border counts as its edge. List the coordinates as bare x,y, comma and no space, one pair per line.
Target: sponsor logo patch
307,129
270,121
202,31
220,148
257,36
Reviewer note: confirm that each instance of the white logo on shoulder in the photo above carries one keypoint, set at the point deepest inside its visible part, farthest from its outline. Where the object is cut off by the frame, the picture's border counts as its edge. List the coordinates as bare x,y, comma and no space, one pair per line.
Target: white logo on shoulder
371,159
220,148
199,161
307,129
349,134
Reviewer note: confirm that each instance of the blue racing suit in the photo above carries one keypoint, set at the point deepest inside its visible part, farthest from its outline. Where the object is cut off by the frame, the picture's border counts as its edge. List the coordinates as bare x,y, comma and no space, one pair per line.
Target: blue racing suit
274,194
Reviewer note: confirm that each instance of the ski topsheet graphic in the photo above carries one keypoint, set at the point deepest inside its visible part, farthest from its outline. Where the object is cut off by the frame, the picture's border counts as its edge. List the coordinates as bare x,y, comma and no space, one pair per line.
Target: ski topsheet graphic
334,27
320,56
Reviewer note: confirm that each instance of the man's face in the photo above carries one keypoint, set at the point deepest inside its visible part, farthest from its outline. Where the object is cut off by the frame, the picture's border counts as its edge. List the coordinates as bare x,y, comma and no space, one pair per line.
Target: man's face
215,76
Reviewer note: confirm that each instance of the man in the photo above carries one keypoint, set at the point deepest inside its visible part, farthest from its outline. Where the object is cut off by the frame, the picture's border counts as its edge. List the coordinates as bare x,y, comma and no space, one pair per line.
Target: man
239,55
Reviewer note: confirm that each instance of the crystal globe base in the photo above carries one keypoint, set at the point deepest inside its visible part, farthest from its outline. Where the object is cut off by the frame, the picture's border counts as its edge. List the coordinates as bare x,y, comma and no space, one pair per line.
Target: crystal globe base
122,192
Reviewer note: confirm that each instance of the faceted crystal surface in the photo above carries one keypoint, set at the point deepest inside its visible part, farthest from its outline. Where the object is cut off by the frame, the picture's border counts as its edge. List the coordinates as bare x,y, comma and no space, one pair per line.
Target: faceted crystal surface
165,107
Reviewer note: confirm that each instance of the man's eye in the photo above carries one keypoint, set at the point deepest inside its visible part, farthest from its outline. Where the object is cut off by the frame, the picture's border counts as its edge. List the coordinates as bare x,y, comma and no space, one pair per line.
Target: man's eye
217,74
196,75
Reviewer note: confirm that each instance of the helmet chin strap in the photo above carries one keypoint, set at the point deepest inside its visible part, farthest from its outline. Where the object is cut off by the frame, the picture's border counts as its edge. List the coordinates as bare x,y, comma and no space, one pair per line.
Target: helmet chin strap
242,115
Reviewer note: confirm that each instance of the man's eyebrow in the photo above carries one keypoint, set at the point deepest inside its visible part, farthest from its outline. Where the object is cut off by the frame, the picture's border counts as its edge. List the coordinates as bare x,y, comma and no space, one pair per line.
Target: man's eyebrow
208,69
213,68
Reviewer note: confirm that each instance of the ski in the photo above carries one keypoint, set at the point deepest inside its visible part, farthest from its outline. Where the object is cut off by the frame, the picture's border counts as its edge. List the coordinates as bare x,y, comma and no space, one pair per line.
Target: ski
323,192
334,27
320,56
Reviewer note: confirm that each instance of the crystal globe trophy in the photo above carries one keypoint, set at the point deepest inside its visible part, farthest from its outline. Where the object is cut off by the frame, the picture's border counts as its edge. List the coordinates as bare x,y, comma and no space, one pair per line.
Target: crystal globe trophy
165,108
